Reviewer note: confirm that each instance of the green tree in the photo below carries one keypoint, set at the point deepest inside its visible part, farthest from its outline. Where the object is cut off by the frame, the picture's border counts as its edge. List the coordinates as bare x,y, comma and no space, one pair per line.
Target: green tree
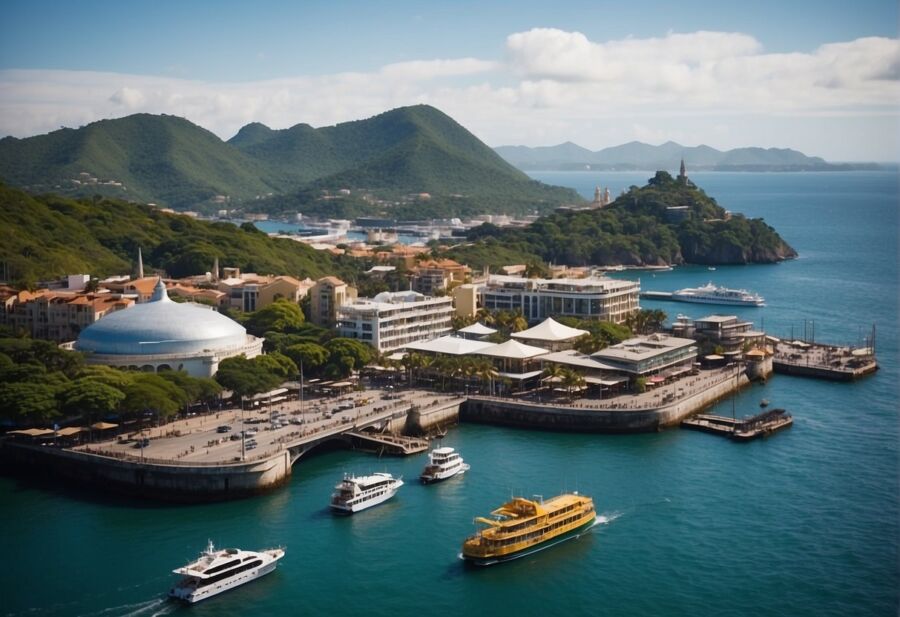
279,364
245,377
279,316
360,353
152,393
90,398
33,401
312,355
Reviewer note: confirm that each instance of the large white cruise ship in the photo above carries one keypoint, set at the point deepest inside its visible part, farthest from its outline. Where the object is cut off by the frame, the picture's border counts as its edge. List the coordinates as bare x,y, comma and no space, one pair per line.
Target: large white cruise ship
220,570
443,463
712,294
355,493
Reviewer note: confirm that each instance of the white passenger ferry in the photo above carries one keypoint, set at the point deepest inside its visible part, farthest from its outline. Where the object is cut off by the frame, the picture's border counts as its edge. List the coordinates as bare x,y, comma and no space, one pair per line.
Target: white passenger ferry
712,294
443,463
220,570
355,493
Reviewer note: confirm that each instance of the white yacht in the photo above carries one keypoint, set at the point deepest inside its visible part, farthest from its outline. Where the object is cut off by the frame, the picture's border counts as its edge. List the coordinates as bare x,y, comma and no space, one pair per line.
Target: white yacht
712,294
216,571
443,463
355,493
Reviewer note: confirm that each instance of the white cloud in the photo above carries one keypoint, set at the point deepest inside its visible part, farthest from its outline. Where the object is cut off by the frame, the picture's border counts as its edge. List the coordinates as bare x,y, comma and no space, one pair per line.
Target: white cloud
551,86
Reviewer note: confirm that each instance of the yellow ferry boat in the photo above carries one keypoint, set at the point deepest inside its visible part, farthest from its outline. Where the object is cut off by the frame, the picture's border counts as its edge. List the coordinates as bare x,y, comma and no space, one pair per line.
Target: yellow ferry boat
522,526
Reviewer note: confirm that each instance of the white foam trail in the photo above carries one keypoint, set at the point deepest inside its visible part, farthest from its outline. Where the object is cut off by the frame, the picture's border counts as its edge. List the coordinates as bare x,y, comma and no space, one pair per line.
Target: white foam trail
607,518
137,609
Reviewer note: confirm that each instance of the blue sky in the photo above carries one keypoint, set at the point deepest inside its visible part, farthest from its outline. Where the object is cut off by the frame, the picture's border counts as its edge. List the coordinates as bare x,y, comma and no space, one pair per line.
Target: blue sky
535,73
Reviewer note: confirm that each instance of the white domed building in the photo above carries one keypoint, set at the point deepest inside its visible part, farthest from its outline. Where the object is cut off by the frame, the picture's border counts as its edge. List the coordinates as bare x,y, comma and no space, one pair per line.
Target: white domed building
164,335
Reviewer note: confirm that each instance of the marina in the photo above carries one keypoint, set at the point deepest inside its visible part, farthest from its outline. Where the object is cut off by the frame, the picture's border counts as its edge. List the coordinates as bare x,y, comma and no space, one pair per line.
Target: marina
825,491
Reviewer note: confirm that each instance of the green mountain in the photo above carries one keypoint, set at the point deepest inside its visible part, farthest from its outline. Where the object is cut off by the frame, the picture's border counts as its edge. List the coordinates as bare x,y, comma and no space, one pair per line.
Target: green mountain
170,161
162,159
49,236
407,150
638,228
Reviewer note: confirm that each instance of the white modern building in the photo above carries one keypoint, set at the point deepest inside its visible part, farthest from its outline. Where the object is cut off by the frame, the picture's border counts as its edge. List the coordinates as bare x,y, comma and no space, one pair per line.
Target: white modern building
164,335
588,298
392,320
656,355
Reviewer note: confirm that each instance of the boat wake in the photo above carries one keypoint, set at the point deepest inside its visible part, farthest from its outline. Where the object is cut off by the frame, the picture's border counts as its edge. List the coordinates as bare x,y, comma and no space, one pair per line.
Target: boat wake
606,519
148,608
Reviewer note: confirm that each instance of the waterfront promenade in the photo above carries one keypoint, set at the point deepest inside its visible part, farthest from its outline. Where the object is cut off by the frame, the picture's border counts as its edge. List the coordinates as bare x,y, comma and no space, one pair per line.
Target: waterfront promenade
196,441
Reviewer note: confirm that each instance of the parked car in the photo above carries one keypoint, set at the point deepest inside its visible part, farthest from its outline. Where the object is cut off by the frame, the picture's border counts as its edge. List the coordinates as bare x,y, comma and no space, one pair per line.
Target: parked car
223,429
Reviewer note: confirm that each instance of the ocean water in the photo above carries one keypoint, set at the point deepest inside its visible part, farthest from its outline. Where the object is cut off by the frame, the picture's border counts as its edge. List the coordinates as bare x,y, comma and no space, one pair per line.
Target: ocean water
803,523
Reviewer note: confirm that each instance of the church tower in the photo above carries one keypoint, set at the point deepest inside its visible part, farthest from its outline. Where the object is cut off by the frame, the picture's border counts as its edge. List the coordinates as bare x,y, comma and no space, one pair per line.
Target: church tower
140,265
597,197
682,176
215,271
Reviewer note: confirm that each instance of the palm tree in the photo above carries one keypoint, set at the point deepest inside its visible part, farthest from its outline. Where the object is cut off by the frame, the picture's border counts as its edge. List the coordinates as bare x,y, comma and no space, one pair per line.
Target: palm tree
485,316
517,322
553,373
485,370
572,380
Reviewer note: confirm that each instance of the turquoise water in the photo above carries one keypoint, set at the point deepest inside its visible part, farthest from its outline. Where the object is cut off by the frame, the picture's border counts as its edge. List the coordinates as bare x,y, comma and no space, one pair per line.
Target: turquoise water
804,523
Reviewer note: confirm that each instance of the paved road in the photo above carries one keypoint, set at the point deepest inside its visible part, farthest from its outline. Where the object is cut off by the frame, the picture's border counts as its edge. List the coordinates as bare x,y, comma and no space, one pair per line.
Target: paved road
197,439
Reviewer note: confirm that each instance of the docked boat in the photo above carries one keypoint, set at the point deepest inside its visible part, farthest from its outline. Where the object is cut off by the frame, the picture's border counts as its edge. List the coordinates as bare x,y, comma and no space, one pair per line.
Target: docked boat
713,294
216,571
355,493
523,526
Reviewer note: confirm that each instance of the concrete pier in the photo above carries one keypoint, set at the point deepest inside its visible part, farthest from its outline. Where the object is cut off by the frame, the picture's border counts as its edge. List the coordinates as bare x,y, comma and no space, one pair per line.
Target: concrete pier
624,414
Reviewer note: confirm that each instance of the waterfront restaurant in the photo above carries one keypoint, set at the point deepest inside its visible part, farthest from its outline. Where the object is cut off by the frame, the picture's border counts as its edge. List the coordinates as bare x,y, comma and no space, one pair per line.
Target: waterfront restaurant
599,377
658,357
516,361
551,335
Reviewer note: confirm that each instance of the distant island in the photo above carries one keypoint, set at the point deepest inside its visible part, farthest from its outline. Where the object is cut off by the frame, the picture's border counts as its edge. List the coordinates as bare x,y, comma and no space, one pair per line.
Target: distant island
638,156
411,162
669,221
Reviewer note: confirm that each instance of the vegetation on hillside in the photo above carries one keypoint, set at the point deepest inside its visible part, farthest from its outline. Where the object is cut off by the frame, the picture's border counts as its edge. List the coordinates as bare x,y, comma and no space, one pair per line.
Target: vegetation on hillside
170,161
638,229
50,236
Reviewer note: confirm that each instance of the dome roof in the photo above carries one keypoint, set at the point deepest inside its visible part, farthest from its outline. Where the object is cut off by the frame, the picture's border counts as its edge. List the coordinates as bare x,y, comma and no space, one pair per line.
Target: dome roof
161,326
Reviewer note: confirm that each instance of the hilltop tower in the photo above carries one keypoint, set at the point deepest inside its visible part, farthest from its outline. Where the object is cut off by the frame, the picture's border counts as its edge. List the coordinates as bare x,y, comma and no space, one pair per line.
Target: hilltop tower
682,176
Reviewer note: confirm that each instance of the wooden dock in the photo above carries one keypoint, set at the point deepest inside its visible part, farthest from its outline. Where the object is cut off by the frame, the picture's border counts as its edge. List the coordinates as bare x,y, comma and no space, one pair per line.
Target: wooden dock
741,429
386,443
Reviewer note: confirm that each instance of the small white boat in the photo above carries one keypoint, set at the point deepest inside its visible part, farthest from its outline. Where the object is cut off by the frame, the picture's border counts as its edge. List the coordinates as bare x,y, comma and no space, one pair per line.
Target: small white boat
216,571
355,493
443,463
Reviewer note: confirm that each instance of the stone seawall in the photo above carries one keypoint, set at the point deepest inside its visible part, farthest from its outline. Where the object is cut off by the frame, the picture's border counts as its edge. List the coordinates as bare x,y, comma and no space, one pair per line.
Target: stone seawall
564,418
154,481
424,421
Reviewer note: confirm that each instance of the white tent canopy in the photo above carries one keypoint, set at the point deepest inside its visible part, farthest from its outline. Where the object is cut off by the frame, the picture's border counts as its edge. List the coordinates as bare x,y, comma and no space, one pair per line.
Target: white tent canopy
513,350
451,345
550,330
477,329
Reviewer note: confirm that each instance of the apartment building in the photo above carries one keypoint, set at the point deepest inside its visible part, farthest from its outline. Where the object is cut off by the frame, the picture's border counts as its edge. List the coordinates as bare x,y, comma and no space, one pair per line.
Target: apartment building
392,320
586,298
